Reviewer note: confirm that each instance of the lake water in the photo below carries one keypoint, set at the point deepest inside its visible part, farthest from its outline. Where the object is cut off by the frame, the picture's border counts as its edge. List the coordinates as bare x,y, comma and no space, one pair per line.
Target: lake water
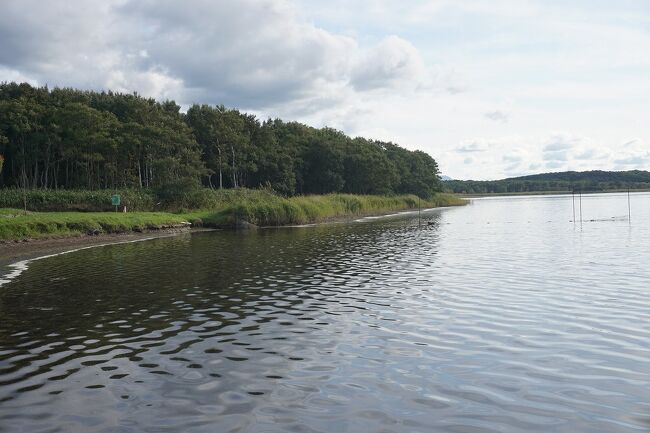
501,316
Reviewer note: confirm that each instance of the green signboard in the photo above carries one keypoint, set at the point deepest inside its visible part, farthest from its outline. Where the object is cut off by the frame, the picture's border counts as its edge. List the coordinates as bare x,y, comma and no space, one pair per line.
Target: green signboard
115,200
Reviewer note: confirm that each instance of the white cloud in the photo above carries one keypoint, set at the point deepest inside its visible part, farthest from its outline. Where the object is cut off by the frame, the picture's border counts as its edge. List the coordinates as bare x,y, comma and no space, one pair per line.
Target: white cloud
632,155
479,85
253,54
512,158
474,146
392,64
561,142
497,116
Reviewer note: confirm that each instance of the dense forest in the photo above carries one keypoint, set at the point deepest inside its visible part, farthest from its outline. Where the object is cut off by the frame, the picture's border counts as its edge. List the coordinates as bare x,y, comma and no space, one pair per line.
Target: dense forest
64,138
590,181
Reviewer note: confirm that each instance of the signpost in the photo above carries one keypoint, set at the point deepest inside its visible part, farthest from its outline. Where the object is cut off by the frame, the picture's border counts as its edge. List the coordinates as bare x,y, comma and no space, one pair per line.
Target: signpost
115,201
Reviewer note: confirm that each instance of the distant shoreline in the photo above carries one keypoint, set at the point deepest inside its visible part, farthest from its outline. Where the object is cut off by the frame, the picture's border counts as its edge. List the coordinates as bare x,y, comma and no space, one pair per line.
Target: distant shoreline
506,194
594,181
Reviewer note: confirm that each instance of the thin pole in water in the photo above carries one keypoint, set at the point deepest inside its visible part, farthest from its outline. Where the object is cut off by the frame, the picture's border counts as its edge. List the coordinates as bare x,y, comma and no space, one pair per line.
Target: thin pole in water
573,199
580,197
419,210
629,206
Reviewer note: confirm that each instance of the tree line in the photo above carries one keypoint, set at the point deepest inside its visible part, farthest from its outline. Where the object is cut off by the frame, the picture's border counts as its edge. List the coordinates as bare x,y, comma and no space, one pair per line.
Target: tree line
591,181
64,138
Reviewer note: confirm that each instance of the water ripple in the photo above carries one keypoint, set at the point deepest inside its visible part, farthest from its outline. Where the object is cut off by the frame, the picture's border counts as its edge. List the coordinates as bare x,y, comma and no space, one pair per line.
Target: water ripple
523,324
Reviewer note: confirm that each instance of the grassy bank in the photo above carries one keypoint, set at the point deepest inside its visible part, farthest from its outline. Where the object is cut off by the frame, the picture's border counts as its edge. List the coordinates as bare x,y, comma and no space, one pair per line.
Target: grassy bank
223,209
266,209
15,225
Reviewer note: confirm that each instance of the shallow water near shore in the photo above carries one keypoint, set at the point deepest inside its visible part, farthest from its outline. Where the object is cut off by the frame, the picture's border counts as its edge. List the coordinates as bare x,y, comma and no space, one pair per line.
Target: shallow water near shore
498,316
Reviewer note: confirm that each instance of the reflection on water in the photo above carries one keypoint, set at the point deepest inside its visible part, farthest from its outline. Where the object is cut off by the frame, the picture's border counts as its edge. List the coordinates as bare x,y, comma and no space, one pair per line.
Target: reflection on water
500,316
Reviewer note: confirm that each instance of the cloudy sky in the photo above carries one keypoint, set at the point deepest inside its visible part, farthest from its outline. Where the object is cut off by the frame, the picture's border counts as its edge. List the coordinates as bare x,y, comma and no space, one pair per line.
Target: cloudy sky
490,88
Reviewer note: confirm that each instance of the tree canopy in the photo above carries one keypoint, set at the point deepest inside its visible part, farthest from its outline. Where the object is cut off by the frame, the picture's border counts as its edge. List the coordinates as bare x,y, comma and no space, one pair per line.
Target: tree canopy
71,139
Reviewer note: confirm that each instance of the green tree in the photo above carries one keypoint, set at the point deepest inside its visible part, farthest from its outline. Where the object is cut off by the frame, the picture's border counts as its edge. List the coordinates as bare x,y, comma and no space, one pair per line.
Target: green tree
323,162
368,169
67,138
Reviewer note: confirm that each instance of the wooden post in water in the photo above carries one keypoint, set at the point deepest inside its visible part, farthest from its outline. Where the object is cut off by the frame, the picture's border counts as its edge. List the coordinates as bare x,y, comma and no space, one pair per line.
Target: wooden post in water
419,210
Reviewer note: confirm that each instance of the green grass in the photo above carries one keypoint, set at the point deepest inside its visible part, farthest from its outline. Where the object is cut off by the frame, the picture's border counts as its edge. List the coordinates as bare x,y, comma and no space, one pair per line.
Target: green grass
14,224
219,209
264,208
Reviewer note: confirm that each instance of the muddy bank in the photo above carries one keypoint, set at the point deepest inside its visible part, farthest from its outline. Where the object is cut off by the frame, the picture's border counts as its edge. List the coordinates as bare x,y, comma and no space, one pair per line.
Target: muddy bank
14,251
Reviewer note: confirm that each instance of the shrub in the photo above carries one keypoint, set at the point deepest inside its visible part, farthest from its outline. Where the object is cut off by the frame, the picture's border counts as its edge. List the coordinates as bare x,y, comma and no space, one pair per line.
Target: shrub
44,200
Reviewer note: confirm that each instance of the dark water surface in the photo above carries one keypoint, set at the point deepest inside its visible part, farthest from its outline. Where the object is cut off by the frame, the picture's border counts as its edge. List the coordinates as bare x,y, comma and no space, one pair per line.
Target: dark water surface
498,317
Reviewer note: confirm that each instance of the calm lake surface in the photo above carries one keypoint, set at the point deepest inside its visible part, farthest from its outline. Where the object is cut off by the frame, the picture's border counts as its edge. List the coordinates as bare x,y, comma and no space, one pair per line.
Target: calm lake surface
501,316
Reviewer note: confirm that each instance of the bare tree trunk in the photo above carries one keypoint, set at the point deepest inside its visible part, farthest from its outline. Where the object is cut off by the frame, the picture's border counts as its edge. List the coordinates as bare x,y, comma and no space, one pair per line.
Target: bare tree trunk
24,189
220,163
220,171
35,178
24,179
234,173
55,175
47,160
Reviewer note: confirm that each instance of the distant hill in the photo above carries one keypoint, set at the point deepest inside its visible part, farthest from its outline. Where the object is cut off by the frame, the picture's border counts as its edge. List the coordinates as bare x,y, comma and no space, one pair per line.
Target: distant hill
445,178
594,175
593,181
